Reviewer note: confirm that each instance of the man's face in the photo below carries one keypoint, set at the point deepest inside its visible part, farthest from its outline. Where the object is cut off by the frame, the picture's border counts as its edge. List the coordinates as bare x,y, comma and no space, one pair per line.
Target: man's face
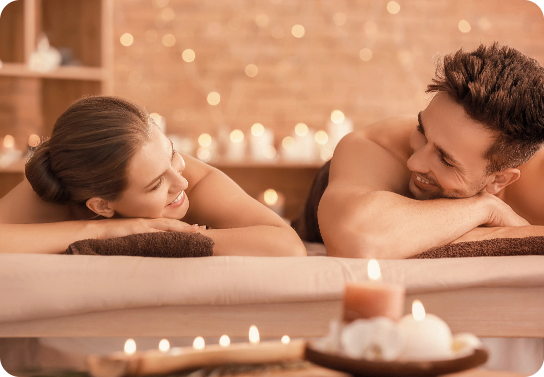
448,149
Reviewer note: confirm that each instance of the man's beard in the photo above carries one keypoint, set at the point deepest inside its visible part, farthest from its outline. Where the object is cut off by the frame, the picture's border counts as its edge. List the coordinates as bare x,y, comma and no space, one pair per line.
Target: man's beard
440,193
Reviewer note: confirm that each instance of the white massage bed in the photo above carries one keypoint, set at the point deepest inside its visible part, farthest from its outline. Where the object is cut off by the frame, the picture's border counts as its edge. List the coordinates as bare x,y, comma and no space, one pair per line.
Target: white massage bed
95,296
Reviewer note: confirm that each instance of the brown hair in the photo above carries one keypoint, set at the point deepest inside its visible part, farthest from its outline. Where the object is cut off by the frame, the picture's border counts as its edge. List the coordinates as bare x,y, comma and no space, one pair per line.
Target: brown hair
502,89
89,151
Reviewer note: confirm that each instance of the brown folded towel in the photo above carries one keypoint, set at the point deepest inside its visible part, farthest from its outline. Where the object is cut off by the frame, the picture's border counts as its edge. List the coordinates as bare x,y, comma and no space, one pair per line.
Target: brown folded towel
488,248
158,244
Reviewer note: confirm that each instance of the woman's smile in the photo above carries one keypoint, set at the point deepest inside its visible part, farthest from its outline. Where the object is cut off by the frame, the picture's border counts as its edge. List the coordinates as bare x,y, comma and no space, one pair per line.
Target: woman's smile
178,201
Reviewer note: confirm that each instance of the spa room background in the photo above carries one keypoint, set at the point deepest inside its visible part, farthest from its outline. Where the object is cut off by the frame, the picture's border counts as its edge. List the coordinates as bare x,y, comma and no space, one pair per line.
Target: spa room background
307,71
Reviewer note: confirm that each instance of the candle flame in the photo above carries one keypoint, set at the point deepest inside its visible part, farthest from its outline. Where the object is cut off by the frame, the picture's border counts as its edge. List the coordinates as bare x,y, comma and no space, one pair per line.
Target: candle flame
270,197
285,339
224,341
130,347
199,343
257,129
418,311
237,136
254,335
164,345
374,272
9,141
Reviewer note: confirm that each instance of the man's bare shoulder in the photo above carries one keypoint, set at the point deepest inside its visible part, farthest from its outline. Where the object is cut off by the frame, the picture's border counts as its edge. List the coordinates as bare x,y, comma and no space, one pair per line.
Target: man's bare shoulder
23,206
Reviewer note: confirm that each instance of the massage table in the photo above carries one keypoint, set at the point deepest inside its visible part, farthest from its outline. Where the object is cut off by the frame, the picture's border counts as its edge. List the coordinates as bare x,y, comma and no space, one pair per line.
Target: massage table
47,296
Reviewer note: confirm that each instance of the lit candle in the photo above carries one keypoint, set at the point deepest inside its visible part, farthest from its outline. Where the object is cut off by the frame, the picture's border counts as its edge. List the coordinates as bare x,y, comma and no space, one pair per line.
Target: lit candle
305,143
198,343
427,337
164,345
236,148
374,298
130,347
254,337
260,141
224,341
273,200
338,127
9,154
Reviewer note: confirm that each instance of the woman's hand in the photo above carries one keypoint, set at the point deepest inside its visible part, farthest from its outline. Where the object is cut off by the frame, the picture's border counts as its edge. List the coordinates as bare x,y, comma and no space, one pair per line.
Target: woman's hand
111,228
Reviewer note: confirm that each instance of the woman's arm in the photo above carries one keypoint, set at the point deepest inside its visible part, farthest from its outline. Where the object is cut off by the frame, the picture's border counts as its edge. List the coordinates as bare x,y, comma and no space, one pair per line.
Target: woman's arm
29,225
242,225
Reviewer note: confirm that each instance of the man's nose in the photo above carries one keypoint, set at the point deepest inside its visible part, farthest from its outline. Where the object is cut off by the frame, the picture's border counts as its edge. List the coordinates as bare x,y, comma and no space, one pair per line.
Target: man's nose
419,160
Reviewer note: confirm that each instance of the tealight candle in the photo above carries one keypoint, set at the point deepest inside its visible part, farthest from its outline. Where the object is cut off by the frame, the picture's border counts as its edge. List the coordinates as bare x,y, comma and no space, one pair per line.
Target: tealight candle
260,141
374,298
236,148
427,337
273,200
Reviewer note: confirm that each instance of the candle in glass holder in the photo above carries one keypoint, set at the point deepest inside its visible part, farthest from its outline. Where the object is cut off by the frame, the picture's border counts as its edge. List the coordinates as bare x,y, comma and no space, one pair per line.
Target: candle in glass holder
273,200
373,298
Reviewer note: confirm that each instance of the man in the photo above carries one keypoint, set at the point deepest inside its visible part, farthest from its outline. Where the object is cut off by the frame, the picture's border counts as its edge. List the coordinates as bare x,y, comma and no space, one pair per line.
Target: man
458,171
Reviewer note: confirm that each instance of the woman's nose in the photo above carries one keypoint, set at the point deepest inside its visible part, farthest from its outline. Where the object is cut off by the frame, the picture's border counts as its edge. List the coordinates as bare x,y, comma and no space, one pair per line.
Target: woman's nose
179,182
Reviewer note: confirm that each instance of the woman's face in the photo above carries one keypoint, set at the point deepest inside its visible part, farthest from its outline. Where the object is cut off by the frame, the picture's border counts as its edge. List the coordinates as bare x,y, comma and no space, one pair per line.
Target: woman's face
156,186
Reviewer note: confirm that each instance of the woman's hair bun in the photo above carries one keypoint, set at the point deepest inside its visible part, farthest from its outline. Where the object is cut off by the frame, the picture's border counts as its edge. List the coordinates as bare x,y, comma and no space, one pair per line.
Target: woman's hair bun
42,179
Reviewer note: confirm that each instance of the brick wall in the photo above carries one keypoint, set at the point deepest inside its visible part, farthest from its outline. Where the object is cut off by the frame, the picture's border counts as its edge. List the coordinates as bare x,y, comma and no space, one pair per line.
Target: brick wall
300,79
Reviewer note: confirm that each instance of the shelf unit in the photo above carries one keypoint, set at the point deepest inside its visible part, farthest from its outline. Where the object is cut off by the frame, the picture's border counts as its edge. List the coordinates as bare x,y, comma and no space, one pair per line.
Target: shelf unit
85,28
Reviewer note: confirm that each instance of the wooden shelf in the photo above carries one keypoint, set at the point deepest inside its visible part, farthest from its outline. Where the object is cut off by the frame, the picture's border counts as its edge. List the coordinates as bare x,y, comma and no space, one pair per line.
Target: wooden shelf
66,72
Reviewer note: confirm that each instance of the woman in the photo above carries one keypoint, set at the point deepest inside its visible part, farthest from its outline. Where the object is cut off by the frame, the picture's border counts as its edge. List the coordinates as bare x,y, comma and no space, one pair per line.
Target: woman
107,160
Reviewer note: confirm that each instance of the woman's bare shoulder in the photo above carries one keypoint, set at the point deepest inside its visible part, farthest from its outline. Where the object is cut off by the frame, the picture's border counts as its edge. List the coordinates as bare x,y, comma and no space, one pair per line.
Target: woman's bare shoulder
23,206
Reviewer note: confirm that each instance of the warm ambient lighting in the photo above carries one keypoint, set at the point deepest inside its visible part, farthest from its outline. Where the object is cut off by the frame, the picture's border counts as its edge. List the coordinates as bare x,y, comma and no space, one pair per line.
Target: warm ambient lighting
464,26
285,339
130,347
337,116
288,142
418,311
269,152
168,40
199,343
204,140
33,141
393,7
224,341
261,20
252,70
164,345
326,154
254,335
151,35
298,31
365,54
374,270
339,19
301,129
236,136
127,39
9,141
214,98
188,55
257,129
270,197
203,154
321,137
168,14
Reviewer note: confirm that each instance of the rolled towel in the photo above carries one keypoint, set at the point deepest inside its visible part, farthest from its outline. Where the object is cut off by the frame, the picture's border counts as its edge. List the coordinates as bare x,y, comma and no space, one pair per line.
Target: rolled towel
157,244
487,248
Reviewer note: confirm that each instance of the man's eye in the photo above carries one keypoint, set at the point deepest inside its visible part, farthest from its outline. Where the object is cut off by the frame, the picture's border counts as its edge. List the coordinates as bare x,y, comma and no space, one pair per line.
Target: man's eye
445,162
157,185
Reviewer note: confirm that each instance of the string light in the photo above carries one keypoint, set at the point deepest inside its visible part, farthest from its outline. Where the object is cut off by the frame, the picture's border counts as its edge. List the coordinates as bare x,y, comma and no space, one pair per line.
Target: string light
214,98
169,40
393,7
339,19
464,26
188,55
127,39
365,54
298,31
261,20
252,70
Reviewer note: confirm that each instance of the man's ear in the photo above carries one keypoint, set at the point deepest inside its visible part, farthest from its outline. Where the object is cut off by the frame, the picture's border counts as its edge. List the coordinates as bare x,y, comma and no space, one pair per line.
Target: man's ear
502,179
100,207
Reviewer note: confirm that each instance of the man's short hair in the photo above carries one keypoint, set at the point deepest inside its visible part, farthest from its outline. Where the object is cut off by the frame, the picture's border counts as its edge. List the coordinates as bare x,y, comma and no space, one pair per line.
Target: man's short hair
502,89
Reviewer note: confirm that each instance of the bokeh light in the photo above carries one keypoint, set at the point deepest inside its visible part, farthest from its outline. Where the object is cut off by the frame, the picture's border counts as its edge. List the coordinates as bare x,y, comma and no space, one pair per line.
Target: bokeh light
464,26
237,136
261,20
169,40
301,129
9,141
204,140
257,129
321,137
214,98
252,70
271,197
393,7
188,55
127,39
337,116
199,343
298,31
33,140
224,341
164,345
288,142
130,347
365,54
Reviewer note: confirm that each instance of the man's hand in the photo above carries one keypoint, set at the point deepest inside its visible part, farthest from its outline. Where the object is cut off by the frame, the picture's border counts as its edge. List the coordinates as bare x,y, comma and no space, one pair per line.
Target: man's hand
111,228
500,213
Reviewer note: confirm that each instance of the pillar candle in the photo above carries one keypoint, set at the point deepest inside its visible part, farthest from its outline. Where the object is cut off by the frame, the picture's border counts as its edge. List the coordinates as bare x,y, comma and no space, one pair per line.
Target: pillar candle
374,298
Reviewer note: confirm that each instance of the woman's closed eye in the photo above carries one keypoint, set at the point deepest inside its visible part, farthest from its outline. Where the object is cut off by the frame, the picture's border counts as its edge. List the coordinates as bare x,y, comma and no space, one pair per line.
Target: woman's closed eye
159,183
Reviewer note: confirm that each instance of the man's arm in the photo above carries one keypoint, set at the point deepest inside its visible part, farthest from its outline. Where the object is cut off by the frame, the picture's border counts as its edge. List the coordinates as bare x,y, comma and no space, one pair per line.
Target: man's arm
364,211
